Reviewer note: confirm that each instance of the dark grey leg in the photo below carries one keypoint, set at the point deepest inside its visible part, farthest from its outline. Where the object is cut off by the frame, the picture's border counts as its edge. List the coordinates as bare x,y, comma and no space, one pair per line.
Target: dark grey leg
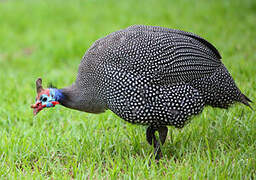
151,138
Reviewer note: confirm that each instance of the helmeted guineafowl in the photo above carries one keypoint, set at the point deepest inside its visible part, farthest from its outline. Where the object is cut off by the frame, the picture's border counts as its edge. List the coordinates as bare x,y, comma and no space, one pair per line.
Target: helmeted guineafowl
148,75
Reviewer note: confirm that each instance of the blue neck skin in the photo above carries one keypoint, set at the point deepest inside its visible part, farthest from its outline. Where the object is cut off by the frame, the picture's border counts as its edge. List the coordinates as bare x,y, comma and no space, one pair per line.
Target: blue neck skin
57,94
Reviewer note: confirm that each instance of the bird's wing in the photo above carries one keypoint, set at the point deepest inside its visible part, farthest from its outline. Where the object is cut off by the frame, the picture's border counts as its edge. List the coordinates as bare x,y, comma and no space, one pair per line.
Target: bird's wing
177,56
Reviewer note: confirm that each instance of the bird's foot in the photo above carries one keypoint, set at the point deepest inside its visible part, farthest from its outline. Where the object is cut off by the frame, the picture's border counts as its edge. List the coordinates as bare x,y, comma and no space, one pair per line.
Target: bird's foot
151,138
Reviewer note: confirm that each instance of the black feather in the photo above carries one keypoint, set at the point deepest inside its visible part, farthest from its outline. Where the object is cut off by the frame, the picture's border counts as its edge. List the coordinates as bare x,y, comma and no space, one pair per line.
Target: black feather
50,85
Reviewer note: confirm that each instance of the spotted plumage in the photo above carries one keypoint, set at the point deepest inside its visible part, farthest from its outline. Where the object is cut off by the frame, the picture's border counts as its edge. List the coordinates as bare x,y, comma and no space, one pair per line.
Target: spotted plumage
151,76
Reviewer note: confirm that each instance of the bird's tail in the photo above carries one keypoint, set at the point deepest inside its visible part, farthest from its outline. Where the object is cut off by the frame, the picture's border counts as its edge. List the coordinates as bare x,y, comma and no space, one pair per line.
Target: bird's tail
245,100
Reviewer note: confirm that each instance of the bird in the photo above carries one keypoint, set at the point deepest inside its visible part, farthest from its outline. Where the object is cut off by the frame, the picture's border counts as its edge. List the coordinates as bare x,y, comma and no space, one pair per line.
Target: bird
148,75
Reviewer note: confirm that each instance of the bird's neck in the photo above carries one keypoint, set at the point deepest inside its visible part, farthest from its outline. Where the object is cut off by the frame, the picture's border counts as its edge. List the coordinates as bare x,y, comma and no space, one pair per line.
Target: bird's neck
80,99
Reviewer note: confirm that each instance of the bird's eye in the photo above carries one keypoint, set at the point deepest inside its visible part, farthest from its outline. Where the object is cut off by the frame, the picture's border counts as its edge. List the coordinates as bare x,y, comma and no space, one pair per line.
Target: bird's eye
44,99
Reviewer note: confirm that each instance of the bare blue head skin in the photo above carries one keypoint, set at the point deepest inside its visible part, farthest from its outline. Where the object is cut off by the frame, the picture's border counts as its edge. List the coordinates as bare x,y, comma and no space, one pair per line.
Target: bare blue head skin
46,98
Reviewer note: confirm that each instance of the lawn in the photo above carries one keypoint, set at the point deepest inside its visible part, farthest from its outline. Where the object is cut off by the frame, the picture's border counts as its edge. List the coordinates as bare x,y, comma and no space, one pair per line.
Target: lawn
48,38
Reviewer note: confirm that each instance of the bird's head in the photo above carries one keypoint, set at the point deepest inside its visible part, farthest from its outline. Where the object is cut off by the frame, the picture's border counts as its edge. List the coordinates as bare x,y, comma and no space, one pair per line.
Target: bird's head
45,98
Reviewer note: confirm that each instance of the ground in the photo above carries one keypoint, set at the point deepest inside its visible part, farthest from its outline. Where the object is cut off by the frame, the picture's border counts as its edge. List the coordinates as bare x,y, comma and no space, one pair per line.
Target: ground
48,38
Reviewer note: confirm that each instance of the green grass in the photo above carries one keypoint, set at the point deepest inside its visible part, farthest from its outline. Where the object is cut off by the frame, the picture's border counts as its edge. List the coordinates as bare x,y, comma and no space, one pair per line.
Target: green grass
48,38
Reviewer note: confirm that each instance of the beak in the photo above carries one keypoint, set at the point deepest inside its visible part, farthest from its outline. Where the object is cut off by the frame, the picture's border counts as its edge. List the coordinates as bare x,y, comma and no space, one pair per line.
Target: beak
37,107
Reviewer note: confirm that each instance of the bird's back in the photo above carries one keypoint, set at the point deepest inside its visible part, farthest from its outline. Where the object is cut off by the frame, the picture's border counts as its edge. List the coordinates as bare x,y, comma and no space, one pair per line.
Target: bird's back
167,55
